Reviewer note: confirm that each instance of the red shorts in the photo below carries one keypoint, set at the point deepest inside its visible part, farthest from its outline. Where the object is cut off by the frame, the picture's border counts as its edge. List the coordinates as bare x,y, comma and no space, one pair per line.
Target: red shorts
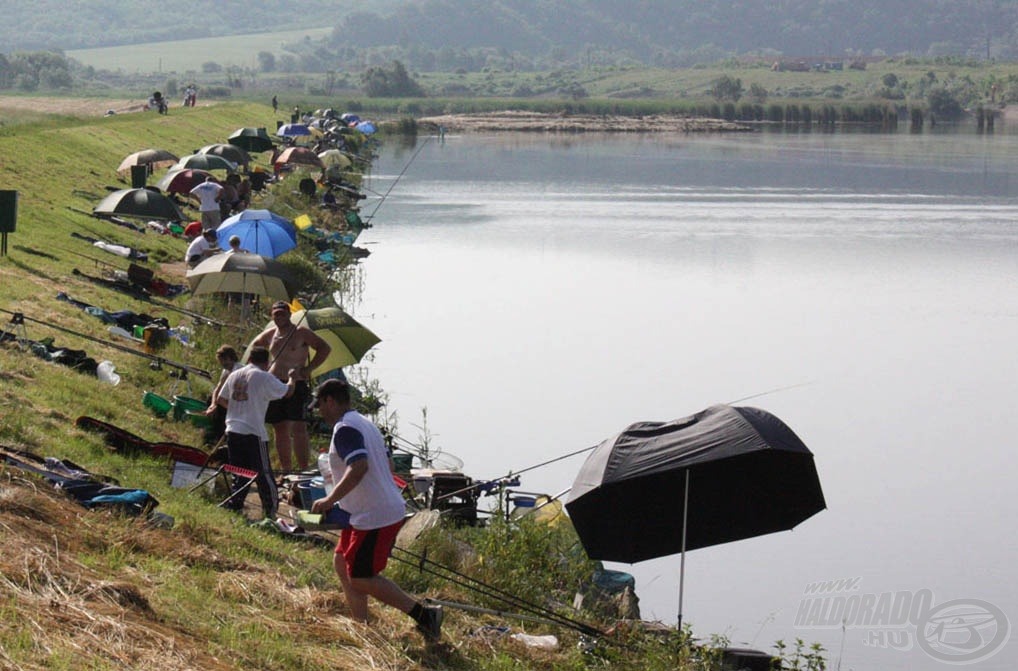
367,551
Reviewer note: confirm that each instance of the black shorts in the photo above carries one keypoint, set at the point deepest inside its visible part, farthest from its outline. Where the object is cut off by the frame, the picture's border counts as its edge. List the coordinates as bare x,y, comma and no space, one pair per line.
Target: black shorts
293,408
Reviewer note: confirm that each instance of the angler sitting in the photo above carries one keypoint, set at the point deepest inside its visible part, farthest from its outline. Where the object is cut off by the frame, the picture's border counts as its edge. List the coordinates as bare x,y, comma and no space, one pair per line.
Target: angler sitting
202,247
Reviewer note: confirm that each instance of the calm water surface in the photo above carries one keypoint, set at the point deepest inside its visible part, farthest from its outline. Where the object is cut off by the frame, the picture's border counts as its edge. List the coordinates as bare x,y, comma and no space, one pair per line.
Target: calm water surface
538,294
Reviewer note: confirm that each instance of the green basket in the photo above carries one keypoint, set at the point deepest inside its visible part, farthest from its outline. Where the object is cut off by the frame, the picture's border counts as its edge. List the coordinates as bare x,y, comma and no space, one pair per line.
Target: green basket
156,403
199,419
181,405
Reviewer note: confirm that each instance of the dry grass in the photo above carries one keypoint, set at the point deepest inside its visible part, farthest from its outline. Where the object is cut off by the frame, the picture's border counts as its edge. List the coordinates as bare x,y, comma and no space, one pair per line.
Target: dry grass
58,609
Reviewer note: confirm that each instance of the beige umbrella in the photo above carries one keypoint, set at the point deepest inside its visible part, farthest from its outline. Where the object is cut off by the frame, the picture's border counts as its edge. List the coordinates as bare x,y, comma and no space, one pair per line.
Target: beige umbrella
335,158
242,274
153,158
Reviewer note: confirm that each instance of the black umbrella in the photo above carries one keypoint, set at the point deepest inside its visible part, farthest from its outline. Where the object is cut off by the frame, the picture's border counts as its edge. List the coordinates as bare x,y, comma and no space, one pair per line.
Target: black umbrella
661,488
251,139
139,203
230,152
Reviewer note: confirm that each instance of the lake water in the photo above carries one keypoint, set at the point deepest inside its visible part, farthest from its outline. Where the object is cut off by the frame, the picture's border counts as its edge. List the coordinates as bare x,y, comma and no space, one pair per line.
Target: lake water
538,294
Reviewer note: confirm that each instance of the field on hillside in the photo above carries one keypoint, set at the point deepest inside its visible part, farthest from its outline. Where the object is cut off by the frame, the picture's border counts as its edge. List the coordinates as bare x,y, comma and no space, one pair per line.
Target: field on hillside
185,56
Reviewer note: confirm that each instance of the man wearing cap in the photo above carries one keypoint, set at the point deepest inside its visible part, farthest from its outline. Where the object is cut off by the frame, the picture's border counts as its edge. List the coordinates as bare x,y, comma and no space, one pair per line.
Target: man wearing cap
201,248
208,194
362,471
299,348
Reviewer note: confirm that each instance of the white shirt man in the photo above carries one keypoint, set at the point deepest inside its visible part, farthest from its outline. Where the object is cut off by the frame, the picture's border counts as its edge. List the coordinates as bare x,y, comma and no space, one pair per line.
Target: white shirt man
208,195
201,248
245,395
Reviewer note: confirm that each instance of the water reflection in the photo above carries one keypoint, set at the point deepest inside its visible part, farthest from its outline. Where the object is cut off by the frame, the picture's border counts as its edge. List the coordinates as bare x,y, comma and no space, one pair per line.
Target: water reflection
539,296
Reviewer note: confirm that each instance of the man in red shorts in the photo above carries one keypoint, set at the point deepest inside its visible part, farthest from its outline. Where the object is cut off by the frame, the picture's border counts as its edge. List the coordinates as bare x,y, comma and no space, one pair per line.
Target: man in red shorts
362,471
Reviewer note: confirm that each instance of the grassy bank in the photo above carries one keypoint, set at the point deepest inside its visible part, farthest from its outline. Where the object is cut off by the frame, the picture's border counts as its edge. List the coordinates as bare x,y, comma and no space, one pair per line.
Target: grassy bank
96,590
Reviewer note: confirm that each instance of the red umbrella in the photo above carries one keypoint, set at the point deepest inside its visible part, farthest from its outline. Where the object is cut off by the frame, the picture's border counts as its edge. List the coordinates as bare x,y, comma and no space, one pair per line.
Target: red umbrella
299,156
183,180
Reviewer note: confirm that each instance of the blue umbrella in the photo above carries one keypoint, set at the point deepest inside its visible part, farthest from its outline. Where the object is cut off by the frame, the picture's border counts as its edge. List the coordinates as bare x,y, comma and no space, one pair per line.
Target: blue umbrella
365,127
260,231
293,130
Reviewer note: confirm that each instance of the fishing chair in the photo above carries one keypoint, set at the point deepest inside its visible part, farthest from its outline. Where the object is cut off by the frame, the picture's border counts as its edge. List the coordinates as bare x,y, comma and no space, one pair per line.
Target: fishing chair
18,330
247,475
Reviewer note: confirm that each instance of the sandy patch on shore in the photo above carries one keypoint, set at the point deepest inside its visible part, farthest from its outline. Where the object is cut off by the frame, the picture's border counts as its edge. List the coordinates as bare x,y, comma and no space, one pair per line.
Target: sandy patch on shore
71,106
74,106
576,123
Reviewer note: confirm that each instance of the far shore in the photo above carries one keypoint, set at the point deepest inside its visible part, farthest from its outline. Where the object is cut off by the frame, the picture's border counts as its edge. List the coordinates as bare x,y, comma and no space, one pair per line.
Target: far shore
537,122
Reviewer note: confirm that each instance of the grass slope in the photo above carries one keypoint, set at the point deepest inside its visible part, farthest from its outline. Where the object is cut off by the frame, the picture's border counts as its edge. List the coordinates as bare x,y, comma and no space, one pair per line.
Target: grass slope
92,590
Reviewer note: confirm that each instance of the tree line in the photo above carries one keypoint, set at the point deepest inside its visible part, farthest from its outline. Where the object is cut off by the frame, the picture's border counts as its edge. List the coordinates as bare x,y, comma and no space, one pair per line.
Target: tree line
523,34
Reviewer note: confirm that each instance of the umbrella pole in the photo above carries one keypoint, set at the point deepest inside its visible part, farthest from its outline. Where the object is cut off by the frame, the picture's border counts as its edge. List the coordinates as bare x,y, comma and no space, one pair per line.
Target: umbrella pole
682,560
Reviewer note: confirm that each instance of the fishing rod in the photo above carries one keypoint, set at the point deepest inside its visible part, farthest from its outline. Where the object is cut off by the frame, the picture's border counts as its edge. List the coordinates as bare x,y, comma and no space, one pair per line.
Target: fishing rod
510,474
770,391
20,318
534,612
90,258
143,295
396,181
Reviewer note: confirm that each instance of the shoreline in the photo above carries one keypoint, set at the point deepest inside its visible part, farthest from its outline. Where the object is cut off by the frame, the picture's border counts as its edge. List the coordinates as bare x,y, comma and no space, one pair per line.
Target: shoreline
537,122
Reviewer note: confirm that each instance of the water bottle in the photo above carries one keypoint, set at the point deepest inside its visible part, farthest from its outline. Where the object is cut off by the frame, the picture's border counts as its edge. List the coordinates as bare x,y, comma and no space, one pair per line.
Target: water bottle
326,470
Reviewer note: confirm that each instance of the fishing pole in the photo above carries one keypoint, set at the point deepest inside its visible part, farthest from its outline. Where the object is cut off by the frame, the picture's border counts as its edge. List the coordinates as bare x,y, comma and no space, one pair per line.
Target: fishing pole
535,612
18,317
396,181
143,295
514,473
90,258
771,391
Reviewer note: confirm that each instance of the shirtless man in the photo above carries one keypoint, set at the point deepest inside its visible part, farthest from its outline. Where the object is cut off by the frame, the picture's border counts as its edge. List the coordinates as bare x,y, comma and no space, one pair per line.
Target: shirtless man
301,349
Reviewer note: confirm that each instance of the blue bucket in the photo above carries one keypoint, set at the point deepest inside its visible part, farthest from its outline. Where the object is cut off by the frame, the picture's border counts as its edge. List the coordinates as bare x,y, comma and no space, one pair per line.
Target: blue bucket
308,493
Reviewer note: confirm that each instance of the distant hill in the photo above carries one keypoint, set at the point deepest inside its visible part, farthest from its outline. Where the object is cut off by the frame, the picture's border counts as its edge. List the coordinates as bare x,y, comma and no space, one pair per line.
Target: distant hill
84,24
651,30
430,31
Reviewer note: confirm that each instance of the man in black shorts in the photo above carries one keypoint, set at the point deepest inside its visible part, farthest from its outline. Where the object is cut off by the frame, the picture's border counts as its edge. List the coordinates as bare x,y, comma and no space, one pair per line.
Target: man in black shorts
300,349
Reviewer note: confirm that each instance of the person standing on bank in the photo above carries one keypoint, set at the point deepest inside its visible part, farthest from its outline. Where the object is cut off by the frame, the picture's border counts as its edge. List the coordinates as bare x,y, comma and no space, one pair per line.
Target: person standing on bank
229,362
245,395
208,194
291,347
362,471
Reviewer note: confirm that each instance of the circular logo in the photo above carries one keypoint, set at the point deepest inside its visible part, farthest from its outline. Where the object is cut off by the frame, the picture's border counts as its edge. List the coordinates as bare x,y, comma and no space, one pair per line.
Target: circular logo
962,631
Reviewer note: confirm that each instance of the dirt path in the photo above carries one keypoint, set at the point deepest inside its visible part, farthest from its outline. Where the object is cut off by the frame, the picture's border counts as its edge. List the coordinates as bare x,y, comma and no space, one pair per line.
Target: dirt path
71,106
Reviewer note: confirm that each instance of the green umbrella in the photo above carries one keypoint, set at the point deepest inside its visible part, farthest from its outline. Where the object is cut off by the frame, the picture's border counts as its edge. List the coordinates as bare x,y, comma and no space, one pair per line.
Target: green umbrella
348,339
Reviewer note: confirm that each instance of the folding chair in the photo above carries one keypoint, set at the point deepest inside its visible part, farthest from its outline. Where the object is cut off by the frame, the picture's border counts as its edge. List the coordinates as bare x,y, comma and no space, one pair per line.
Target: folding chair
229,469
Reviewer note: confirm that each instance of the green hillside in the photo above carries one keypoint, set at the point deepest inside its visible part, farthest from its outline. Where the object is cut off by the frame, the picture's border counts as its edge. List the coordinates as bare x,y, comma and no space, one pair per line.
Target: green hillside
94,589
540,34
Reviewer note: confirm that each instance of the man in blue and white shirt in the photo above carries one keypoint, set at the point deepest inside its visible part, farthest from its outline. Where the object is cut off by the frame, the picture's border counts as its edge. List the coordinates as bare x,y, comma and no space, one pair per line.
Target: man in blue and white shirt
362,471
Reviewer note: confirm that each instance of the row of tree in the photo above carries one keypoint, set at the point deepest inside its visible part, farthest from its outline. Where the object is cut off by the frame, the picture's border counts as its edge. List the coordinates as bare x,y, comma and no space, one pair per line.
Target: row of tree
674,33
944,100
30,70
